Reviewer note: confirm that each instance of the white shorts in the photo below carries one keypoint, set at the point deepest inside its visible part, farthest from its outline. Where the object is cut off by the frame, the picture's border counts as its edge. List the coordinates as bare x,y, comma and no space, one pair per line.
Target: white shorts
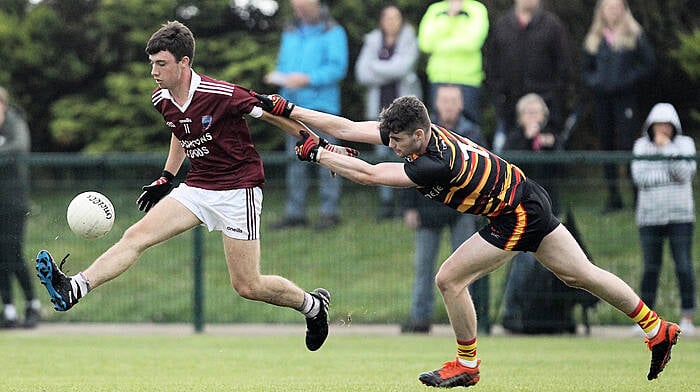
236,213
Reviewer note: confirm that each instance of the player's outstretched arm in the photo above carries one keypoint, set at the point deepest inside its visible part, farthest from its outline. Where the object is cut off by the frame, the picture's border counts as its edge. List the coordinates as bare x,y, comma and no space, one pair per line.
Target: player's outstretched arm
295,127
385,173
339,127
292,127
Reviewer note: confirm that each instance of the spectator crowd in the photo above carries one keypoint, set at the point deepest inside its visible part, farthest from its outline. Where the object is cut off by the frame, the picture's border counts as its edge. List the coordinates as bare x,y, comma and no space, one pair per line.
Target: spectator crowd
521,65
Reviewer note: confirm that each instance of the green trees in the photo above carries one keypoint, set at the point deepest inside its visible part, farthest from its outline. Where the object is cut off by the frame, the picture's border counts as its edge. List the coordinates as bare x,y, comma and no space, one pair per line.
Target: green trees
78,69
688,56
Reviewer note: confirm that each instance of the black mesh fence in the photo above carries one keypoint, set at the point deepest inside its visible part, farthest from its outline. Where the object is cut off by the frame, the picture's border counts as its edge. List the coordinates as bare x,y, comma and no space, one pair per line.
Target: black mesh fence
366,263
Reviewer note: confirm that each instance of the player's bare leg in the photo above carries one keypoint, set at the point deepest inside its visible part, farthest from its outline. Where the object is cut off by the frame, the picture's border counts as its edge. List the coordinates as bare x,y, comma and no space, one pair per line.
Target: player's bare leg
243,259
65,291
562,255
165,220
470,261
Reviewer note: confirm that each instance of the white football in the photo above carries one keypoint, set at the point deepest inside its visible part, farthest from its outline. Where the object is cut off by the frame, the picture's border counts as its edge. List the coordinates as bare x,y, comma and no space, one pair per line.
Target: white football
90,215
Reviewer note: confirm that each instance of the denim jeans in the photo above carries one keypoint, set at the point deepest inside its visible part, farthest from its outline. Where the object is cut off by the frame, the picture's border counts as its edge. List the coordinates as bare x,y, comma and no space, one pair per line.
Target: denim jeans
298,181
680,238
426,251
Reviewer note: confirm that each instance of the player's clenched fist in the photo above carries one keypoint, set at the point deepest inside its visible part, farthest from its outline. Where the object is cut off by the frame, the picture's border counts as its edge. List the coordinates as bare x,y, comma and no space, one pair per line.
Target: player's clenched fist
275,104
307,148
155,191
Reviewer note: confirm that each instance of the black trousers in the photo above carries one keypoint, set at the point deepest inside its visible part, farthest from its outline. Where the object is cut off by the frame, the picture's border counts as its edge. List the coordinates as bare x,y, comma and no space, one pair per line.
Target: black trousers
12,261
617,123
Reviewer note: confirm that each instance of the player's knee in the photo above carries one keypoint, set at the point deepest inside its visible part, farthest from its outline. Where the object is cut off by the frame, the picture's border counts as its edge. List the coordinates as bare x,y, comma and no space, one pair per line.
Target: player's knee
448,281
246,290
134,238
579,281
570,280
444,282
439,281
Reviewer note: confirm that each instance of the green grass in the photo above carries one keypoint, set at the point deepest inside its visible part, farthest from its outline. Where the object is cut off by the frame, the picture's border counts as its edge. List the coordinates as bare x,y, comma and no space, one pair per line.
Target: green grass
367,265
40,362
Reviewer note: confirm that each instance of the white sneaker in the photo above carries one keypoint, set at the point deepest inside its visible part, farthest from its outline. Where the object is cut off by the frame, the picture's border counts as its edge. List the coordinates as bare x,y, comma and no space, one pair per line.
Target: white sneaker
687,327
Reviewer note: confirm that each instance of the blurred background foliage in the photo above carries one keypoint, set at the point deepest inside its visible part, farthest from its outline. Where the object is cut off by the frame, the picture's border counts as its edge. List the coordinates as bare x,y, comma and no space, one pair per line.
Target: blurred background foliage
78,69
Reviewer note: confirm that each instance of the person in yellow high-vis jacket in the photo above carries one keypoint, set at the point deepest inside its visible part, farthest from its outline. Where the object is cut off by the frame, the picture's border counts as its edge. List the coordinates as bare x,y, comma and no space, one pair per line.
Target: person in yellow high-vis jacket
452,33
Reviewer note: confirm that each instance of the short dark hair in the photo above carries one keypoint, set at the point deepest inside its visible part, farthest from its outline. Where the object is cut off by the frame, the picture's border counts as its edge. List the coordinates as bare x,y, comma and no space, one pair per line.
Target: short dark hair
405,114
173,37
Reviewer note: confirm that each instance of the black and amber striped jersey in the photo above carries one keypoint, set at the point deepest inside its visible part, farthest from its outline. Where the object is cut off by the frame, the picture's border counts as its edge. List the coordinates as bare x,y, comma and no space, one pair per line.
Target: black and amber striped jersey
465,176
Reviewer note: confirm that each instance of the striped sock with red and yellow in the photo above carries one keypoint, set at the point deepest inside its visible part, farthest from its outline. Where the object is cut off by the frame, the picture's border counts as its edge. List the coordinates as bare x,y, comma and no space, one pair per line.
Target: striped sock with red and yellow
466,353
646,318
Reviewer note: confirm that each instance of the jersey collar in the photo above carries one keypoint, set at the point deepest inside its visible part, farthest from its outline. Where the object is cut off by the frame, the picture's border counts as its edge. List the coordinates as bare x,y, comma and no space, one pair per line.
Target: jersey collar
435,145
194,83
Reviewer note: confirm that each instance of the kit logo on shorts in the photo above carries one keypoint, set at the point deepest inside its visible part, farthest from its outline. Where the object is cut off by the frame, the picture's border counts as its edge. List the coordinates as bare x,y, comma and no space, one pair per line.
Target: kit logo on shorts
493,232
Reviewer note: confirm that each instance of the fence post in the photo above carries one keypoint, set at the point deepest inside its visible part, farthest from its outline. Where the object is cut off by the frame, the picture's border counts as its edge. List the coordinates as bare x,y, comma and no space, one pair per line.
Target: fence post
481,296
198,279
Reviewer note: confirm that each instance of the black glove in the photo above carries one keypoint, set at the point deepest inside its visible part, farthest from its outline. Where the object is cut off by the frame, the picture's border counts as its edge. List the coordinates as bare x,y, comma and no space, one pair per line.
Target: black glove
275,104
307,148
155,191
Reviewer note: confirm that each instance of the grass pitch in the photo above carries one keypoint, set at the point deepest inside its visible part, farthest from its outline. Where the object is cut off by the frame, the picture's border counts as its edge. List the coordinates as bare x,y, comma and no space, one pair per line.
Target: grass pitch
151,362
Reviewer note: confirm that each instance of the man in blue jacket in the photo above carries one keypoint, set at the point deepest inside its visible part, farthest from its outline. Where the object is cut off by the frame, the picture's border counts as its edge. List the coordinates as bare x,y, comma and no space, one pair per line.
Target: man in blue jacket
311,63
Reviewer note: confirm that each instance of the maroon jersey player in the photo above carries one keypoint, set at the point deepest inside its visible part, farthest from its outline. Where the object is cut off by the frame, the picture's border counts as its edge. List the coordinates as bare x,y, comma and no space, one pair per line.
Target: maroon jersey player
211,129
222,190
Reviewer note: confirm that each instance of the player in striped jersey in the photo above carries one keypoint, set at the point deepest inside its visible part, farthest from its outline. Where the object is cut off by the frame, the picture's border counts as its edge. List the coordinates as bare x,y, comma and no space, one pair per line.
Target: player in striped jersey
222,189
453,170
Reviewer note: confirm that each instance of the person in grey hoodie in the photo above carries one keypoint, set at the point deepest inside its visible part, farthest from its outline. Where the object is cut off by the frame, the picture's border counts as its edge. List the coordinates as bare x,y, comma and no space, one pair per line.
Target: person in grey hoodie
665,206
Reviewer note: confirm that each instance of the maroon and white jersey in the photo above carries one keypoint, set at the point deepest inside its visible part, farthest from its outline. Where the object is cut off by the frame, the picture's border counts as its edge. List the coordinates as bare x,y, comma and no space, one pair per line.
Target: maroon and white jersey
211,128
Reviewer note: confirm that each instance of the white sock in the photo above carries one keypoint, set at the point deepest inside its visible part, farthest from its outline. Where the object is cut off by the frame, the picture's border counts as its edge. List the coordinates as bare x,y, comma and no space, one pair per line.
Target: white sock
471,364
654,331
310,307
9,312
81,283
35,304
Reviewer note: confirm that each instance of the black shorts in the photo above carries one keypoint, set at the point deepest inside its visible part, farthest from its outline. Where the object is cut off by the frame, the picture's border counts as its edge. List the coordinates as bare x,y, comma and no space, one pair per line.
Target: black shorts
523,228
